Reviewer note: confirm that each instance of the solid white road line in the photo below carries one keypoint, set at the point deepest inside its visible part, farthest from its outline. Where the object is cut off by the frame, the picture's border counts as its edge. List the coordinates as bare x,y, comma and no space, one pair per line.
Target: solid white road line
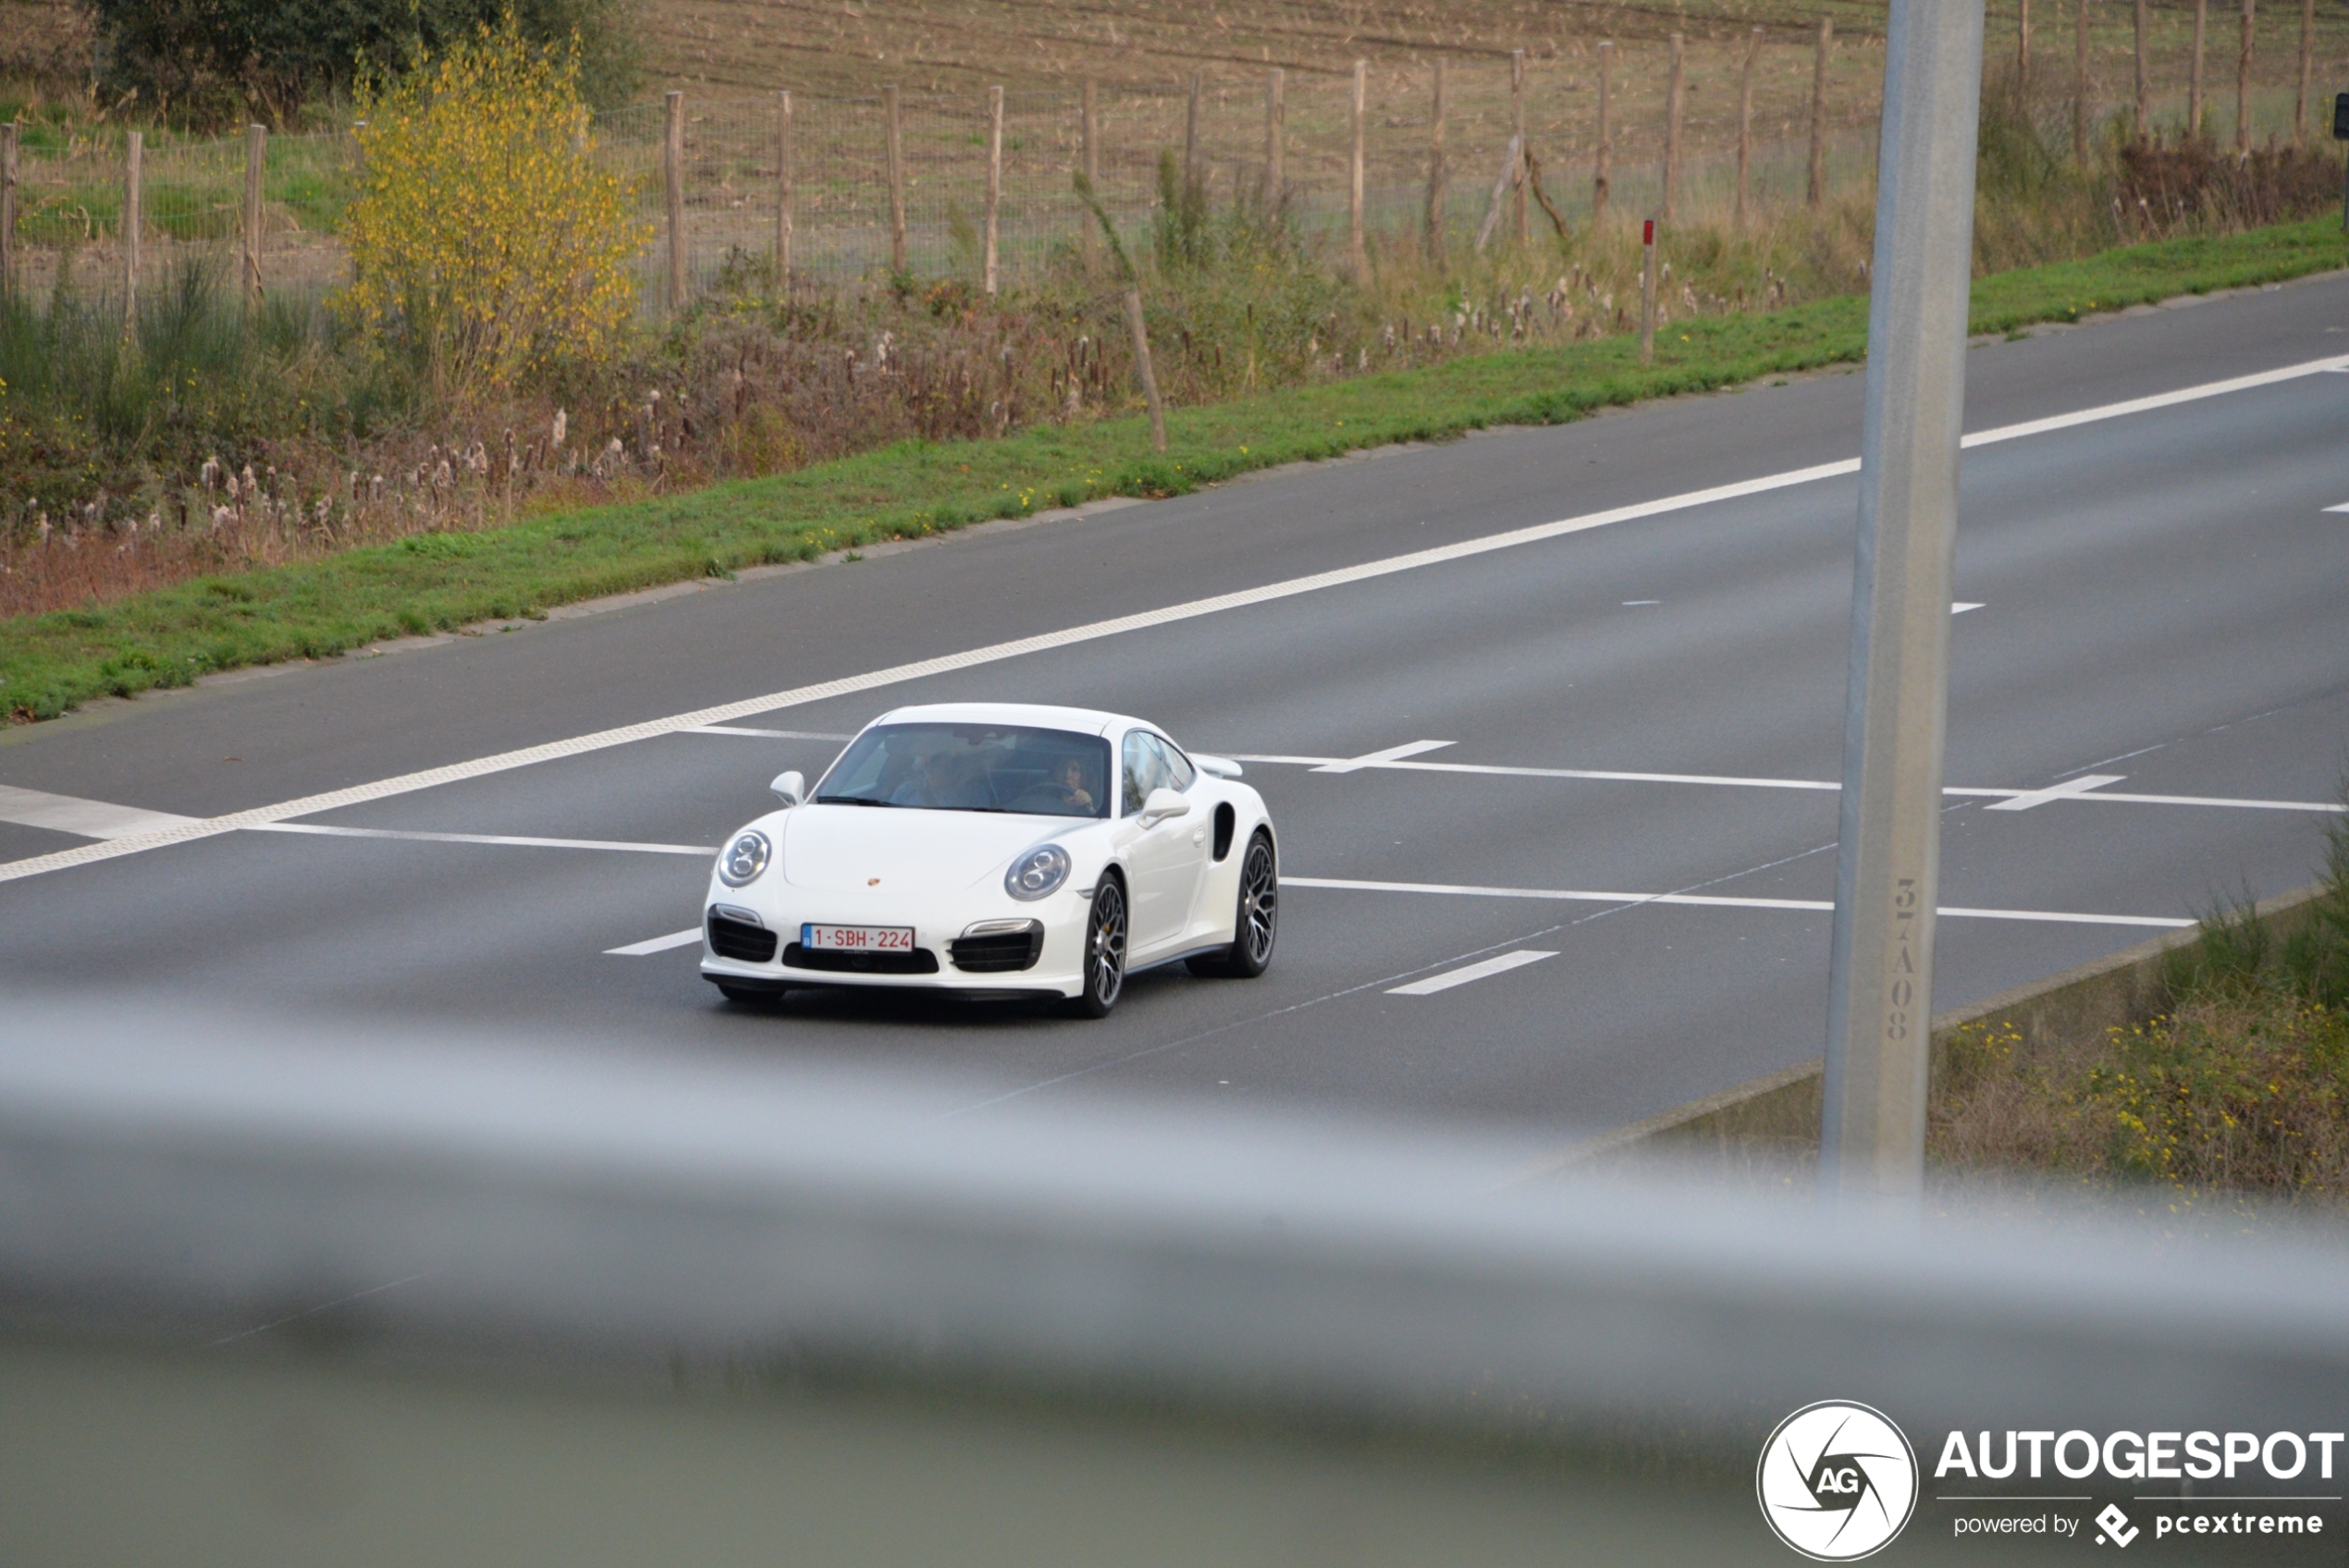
1392,753
970,658
1466,972
89,819
608,845
761,734
1961,607
2070,789
1709,900
657,944
1731,782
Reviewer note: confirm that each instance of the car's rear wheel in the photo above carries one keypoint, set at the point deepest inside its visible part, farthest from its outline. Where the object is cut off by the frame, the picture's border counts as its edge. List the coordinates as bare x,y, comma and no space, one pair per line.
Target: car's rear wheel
1104,950
1255,920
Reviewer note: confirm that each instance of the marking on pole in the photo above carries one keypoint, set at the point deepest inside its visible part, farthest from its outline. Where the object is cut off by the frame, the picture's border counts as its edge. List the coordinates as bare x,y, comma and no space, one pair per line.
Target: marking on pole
1713,901
657,944
2070,789
996,652
1371,759
1484,970
86,819
1960,608
616,846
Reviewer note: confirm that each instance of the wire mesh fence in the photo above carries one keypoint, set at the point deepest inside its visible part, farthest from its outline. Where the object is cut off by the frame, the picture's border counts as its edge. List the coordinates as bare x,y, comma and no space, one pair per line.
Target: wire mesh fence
752,185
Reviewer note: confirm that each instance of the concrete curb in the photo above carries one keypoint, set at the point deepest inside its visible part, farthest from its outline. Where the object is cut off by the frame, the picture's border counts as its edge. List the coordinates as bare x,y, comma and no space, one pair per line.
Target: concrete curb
1779,1113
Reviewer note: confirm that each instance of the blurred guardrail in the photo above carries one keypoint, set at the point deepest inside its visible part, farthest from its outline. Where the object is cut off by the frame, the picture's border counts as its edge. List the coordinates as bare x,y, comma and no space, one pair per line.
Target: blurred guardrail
273,1294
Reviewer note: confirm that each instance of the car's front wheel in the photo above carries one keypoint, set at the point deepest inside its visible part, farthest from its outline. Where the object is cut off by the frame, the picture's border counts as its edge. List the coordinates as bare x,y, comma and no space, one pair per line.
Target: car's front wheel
1255,920
1104,950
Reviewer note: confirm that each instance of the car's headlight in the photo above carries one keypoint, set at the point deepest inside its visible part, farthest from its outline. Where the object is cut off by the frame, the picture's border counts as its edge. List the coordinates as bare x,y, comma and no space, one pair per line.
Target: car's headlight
1038,873
745,858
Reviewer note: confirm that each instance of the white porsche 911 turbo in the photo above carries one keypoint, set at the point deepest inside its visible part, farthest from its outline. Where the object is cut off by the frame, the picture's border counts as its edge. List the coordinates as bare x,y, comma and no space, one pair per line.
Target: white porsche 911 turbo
997,849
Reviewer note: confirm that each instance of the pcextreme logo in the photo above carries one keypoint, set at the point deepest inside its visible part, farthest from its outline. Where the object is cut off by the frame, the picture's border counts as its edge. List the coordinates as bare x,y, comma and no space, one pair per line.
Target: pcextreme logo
1837,1481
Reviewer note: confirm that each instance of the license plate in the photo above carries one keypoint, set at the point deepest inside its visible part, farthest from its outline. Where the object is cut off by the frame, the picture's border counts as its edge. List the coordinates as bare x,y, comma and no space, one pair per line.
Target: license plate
859,938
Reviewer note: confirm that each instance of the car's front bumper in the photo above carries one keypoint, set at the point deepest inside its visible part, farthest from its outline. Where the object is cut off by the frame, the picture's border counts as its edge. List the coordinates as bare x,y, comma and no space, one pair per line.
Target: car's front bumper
1058,968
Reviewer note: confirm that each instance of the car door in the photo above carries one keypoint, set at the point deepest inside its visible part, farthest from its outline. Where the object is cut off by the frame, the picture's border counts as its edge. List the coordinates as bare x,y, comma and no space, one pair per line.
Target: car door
1164,862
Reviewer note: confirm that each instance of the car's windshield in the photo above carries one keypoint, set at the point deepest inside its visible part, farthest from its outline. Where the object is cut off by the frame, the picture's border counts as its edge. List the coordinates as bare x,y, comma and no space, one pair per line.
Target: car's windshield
1005,767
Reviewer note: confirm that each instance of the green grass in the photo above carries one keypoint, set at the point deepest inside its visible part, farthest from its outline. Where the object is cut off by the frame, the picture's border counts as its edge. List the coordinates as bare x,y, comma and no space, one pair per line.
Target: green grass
320,608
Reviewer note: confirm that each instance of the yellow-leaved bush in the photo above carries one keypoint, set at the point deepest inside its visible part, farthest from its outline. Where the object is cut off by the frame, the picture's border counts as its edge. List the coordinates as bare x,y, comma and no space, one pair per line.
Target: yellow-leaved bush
484,238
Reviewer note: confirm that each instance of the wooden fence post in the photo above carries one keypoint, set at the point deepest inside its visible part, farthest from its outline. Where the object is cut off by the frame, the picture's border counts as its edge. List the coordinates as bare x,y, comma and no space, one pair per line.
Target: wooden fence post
672,174
1598,165
2022,45
134,156
256,155
995,180
1089,148
1143,368
1190,133
2079,82
1672,96
1275,133
1520,221
2243,86
8,211
1818,192
2194,79
896,181
2143,88
1356,249
1745,120
1436,166
2307,66
782,195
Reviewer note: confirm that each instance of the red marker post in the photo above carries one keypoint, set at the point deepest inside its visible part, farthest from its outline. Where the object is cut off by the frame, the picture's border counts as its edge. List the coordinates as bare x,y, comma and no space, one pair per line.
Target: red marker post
1647,292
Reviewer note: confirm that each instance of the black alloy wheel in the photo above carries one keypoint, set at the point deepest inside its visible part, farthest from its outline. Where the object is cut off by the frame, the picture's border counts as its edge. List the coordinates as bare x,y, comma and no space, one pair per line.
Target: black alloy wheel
1256,921
1104,950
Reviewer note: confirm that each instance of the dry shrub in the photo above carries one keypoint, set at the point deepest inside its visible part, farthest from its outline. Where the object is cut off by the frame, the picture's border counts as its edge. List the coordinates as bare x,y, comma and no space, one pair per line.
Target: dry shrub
2189,186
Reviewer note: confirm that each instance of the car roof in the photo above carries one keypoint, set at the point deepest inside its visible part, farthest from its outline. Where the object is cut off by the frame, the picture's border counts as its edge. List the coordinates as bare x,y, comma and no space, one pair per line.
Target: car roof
1085,721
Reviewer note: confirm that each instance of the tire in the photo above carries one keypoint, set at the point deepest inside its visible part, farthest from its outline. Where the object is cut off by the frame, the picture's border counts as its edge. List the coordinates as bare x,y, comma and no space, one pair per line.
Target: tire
1255,920
1106,934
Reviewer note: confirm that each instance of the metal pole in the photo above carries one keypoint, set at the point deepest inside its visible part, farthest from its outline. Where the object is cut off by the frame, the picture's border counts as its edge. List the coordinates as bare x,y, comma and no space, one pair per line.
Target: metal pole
782,195
1647,291
1355,250
1598,162
672,174
8,211
134,155
994,180
1275,125
896,183
1436,166
2143,89
1520,223
1745,121
1880,985
1818,190
1672,130
256,156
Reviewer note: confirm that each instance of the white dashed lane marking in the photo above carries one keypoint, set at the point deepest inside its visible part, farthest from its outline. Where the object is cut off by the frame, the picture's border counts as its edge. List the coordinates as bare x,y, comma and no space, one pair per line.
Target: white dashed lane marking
686,938
1482,970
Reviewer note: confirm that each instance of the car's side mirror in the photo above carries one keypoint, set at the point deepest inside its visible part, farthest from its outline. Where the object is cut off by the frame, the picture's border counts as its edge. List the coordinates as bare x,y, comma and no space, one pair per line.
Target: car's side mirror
790,787
1163,804
1215,768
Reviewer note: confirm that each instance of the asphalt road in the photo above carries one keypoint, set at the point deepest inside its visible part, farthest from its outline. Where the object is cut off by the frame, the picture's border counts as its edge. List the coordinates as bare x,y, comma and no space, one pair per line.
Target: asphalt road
2159,602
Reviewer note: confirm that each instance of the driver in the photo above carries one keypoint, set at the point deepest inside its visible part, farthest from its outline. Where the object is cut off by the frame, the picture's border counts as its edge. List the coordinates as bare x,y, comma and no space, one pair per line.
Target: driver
1071,778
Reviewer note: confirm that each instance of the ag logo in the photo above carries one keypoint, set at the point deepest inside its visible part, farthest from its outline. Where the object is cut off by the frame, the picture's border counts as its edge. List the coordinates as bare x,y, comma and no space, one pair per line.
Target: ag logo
1837,1480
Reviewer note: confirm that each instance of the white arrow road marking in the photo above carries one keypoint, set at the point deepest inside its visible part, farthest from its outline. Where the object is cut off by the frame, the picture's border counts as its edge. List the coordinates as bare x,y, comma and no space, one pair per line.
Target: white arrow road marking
657,944
89,819
2070,788
1392,753
971,658
1466,972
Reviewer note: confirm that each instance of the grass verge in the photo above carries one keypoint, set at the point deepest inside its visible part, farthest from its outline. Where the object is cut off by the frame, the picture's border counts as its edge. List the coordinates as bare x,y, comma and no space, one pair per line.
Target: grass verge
316,610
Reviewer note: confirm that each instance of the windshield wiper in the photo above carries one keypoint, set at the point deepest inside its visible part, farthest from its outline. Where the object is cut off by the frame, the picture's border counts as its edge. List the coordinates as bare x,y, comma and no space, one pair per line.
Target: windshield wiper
850,801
